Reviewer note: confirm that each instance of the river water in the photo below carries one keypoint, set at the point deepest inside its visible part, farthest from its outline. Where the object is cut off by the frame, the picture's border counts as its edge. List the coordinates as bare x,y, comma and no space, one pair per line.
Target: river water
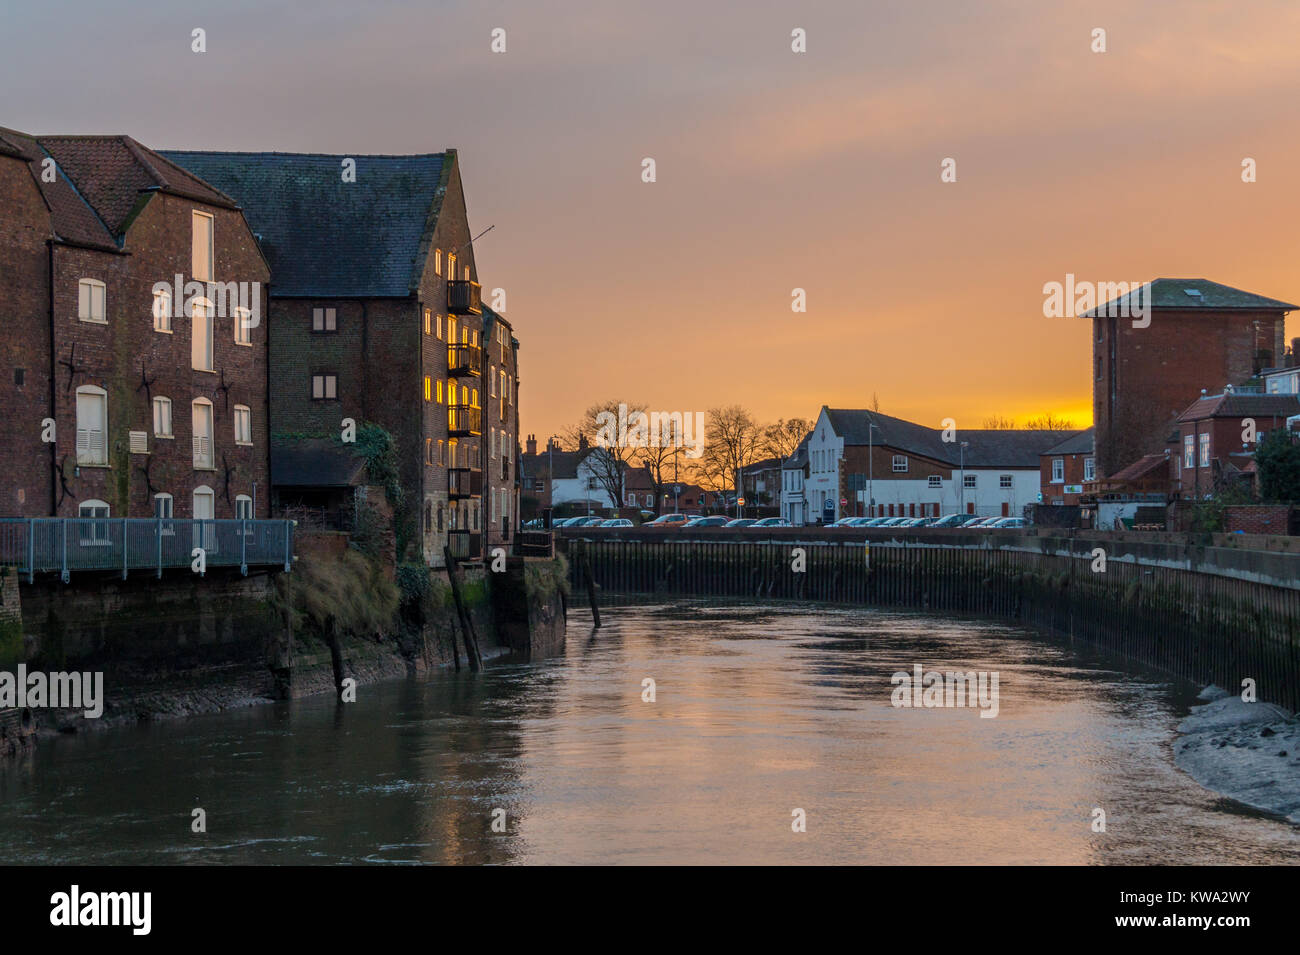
758,712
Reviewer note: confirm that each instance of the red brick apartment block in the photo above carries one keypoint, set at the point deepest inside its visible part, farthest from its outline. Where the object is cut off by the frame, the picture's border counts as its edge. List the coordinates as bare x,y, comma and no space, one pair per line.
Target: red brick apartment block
158,401
376,315
1066,467
1211,442
1202,335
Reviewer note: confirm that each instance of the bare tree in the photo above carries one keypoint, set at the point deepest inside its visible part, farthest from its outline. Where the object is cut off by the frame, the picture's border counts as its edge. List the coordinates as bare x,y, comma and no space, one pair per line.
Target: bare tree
875,403
732,442
998,422
780,440
1049,422
606,428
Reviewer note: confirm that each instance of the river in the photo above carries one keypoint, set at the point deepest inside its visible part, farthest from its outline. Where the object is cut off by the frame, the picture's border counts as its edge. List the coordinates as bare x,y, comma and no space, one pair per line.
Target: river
759,711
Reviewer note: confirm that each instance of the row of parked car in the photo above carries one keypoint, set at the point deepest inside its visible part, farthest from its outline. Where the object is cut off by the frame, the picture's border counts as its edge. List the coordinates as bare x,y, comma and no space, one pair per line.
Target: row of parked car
963,521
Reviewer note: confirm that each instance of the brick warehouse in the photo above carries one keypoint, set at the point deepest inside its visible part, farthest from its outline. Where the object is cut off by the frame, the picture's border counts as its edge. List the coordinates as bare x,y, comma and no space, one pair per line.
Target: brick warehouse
375,315
1202,335
158,400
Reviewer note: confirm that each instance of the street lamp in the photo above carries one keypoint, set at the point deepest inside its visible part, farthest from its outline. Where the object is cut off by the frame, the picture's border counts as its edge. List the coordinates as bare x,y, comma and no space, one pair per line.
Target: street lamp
550,475
871,470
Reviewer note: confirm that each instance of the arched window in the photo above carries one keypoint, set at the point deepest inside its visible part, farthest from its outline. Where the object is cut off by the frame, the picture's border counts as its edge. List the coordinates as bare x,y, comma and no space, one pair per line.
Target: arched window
243,507
201,415
94,532
428,517
92,425
91,304
441,518
163,506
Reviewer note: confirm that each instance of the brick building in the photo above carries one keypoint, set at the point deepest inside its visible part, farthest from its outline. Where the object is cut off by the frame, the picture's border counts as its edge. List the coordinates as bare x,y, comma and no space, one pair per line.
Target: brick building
1215,439
134,297
375,315
1202,335
1066,467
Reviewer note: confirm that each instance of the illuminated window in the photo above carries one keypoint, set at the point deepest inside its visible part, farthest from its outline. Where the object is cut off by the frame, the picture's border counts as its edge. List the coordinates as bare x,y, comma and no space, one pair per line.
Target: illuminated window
428,388
1205,450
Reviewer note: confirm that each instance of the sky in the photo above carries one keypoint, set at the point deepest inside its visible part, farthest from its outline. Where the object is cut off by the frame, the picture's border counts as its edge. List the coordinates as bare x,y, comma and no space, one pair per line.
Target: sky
775,170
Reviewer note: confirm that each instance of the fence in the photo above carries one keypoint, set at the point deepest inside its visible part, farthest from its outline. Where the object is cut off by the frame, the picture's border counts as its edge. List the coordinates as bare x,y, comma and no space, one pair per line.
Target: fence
1202,626
63,545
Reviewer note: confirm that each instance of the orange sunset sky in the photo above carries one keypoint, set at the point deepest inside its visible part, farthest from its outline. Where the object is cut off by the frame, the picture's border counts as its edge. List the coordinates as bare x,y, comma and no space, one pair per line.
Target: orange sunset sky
775,170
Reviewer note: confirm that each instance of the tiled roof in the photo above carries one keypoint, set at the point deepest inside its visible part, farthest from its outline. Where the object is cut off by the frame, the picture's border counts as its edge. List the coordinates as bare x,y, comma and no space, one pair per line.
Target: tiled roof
112,173
326,237
1143,466
1081,442
800,456
1241,406
986,448
71,217
1191,294
315,462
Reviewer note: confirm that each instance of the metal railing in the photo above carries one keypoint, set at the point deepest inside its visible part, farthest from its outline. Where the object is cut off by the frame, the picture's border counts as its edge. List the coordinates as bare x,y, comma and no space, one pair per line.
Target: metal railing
465,544
532,543
464,360
464,420
38,545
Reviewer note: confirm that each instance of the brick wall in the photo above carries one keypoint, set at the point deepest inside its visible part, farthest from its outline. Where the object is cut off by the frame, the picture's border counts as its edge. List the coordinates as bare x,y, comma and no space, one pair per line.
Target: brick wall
1257,519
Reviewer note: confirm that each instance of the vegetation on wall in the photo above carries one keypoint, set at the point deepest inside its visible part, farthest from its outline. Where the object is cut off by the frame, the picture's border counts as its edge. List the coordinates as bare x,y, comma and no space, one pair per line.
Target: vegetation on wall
351,589
1278,460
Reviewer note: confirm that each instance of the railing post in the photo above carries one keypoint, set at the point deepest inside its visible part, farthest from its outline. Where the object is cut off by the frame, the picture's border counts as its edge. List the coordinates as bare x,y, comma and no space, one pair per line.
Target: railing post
160,529
31,550
288,537
64,576
243,547
124,546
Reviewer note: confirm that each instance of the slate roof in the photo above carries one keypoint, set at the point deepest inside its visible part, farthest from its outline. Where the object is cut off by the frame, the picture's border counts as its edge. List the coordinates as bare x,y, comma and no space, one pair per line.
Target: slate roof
1241,406
327,238
1081,442
112,173
315,462
799,458
1143,466
1176,294
566,464
71,216
987,448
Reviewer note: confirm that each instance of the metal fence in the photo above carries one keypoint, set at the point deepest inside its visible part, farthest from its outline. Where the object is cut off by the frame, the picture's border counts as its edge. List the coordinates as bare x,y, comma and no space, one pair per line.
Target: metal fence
63,545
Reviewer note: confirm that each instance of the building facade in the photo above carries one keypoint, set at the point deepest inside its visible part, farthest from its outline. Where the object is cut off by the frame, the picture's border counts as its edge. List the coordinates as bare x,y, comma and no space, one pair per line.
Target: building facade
1065,469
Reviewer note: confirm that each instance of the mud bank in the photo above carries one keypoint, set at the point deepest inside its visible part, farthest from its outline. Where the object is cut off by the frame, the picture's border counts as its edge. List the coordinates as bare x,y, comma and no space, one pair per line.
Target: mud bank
1249,752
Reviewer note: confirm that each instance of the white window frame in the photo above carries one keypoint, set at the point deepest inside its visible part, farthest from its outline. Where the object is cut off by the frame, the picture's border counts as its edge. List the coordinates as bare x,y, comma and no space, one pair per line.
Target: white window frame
202,311
164,403
1005,482
243,503
92,292
203,223
1204,449
96,534
900,464
934,481
1189,452
243,330
968,481
197,440
1089,469
245,413
1058,470
162,311
170,508
92,451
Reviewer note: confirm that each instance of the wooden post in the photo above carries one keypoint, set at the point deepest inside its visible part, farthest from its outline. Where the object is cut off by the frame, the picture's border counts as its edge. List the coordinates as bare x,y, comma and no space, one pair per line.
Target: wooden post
591,585
467,625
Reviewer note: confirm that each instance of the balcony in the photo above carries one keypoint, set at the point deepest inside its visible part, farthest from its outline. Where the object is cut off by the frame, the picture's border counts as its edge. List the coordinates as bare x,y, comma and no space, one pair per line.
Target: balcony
464,421
464,298
464,482
465,544
534,544
463,360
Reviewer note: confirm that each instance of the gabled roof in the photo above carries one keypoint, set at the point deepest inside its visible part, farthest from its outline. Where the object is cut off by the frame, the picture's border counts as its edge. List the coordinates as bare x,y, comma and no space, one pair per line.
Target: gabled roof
1143,467
1081,442
985,448
799,458
71,217
327,238
315,462
1189,294
1241,406
113,173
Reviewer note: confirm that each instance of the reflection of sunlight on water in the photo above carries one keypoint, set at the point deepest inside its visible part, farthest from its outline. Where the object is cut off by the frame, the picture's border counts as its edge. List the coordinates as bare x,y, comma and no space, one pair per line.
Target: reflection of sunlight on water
758,711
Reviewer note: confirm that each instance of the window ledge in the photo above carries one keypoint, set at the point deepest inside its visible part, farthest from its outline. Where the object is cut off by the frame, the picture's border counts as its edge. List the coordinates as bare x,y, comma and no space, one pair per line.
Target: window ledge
165,437
94,464
243,444
163,331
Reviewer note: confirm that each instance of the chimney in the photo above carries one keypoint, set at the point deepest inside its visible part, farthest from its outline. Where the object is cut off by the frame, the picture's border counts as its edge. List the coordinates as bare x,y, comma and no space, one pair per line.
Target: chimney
1294,358
531,444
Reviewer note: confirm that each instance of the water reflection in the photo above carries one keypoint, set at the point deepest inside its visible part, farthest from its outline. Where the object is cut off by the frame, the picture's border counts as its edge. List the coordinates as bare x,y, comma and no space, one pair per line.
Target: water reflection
759,711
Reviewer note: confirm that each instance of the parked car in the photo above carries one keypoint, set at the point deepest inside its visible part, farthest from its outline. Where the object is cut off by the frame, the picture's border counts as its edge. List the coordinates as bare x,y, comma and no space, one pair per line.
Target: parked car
984,522
951,520
667,521
588,522
843,522
914,522
715,520
772,522
1012,522
860,521
741,522
875,521
617,522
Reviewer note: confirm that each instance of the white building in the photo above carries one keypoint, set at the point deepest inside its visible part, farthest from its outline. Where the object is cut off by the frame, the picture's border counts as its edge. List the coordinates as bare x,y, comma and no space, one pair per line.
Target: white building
794,474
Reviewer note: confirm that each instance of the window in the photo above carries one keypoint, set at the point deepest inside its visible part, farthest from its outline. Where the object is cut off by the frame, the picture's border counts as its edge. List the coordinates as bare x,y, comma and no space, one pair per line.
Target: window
162,418
428,388
243,424
243,326
324,387
1205,450
163,506
428,321
162,310
442,452
451,265
138,442
1189,455
201,415
437,261
492,377
201,246
934,480
95,531
201,343
1089,469
437,325
439,390
968,480
324,320
492,442
1004,481
451,330
900,462
90,301
1058,470
243,508
92,425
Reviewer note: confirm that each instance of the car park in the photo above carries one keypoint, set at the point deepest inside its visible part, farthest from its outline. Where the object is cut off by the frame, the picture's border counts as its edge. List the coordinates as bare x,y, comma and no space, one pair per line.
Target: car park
714,520
772,522
860,521
741,522
843,522
668,521
617,522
